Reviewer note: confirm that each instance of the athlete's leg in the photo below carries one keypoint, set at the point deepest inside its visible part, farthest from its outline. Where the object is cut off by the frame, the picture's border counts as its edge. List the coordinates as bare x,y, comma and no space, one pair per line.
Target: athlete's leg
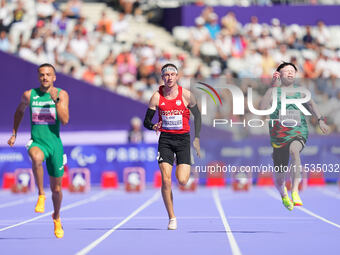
294,151
37,157
183,173
281,159
57,195
166,170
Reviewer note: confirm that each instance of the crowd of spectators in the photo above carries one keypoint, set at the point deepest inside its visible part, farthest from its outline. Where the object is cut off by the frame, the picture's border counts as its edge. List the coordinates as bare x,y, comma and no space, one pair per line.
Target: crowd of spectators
248,55
42,31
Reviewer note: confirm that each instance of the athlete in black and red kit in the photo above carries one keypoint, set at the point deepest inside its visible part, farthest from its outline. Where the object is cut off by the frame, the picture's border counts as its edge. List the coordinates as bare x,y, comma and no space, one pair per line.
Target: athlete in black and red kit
173,103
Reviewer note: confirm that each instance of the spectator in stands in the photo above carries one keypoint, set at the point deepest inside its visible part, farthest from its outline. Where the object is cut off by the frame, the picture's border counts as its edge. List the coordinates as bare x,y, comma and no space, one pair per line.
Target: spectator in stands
121,25
104,25
79,46
45,9
212,25
230,23
73,9
254,29
308,39
322,33
61,23
4,41
268,64
198,35
5,16
135,134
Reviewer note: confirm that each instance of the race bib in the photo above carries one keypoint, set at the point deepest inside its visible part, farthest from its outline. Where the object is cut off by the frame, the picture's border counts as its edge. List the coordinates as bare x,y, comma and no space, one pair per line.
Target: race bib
172,122
43,116
291,119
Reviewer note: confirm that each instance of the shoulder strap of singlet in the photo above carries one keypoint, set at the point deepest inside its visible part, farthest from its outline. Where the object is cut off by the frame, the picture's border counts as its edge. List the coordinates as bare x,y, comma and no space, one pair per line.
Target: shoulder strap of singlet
179,92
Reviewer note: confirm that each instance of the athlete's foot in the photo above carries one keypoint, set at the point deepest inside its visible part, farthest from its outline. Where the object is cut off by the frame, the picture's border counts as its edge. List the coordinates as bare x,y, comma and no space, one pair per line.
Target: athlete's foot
40,206
296,199
287,203
58,228
172,224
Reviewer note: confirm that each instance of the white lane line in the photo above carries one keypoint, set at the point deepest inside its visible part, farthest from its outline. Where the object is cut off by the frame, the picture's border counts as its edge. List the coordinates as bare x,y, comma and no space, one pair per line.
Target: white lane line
72,219
20,201
65,208
330,193
234,246
92,245
276,196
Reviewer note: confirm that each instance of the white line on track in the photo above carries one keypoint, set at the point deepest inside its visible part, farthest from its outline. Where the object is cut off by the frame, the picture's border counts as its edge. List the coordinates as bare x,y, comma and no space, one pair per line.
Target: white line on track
276,196
330,193
65,208
20,201
95,243
233,244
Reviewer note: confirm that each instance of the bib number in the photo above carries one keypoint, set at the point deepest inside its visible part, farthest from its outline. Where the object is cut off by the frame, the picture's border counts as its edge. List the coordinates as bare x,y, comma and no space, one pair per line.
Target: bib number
291,119
172,122
43,116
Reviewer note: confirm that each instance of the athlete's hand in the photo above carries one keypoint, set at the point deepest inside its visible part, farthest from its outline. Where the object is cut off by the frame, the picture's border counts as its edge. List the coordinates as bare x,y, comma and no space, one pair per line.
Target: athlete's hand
197,147
157,126
275,79
54,93
324,127
11,140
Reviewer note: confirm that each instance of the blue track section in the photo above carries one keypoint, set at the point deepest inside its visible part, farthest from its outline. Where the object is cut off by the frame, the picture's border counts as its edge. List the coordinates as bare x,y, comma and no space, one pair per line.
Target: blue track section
259,223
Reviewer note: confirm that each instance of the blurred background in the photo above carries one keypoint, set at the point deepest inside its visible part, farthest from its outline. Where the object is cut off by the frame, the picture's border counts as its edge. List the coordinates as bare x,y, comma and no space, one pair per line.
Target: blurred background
108,55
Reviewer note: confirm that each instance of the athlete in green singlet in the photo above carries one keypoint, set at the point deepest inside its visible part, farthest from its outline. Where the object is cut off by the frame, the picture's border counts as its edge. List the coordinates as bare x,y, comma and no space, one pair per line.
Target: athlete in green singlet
288,133
48,107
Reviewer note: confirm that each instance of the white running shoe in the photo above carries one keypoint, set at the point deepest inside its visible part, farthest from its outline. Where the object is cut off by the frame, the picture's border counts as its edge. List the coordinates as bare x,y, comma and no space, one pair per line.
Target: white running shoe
172,224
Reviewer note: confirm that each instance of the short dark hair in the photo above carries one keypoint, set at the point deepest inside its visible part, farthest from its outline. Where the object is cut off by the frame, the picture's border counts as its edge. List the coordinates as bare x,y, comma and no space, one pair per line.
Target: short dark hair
284,64
47,65
169,64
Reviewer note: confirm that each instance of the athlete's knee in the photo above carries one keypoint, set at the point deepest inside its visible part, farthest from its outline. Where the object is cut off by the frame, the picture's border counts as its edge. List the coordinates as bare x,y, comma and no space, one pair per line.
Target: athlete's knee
36,156
166,182
56,189
294,152
183,180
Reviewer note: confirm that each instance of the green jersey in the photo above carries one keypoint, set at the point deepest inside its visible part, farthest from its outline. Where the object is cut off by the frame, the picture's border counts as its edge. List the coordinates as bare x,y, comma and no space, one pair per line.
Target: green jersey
284,128
45,124
45,127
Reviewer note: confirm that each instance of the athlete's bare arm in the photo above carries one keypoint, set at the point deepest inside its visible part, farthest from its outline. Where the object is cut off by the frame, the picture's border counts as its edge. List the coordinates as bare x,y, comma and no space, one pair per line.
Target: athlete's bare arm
154,100
19,113
62,105
315,111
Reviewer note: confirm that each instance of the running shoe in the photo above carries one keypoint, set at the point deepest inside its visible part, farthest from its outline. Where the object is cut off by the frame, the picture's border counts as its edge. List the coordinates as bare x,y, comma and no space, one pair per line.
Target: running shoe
40,207
296,199
287,202
172,224
58,228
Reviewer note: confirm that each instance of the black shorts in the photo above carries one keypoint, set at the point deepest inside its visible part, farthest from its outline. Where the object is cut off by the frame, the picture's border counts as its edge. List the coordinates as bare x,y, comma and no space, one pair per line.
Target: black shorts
171,144
281,155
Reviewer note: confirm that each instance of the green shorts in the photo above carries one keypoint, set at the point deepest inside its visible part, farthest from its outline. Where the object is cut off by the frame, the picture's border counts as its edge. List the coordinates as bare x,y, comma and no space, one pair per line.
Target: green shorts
54,156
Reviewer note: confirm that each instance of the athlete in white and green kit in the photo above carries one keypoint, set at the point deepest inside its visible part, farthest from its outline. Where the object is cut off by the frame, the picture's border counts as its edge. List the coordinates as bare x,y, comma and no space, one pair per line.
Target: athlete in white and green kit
48,107
288,133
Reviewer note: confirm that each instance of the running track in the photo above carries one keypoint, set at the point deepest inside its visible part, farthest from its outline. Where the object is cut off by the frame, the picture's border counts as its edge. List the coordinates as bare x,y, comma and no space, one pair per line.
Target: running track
210,221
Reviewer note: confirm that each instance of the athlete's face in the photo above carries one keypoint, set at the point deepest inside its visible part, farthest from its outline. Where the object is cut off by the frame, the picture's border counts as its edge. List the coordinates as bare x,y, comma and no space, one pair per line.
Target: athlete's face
170,78
288,75
46,76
